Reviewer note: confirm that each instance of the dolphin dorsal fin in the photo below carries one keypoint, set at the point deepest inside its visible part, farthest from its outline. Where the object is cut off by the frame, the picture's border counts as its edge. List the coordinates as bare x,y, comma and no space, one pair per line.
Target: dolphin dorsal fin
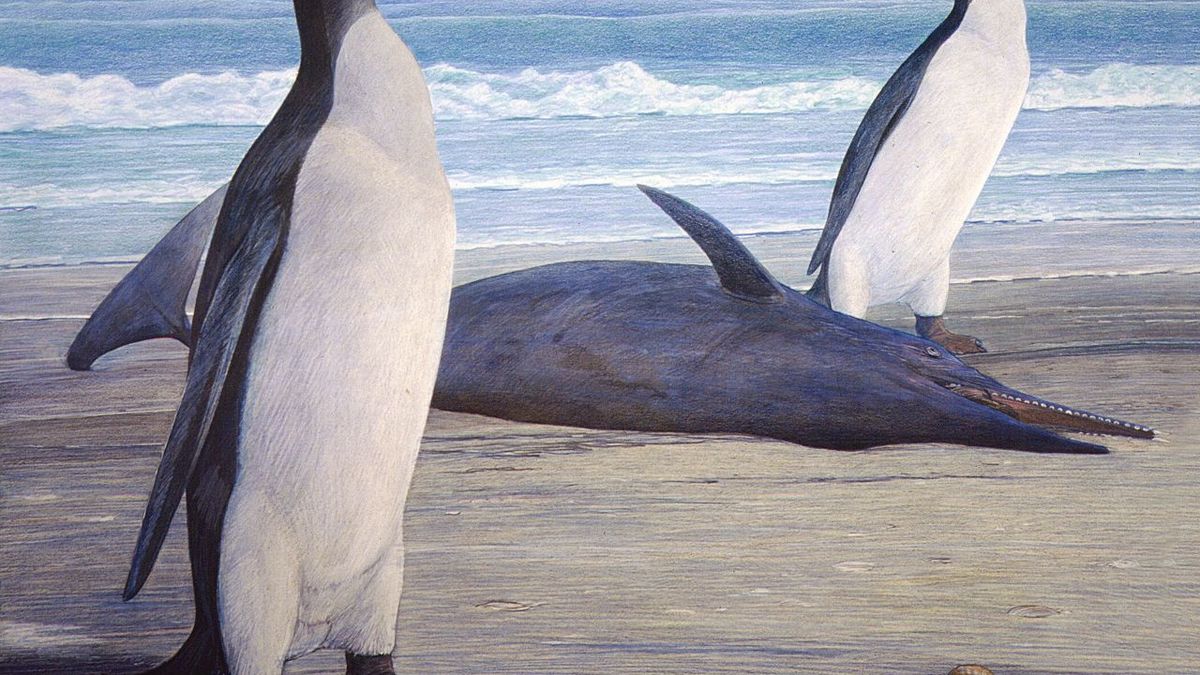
740,273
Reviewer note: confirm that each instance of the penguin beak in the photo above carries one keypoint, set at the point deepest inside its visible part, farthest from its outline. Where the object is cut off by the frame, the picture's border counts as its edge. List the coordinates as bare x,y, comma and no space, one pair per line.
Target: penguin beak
1047,414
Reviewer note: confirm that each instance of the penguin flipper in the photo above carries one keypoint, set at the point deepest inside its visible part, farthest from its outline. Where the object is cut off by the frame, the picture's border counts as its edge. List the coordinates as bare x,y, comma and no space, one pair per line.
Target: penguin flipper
150,302
241,265
740,272
877,124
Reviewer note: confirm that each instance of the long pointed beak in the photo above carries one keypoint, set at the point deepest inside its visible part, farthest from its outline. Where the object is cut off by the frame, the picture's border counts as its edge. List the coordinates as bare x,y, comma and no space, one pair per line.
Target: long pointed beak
1032,410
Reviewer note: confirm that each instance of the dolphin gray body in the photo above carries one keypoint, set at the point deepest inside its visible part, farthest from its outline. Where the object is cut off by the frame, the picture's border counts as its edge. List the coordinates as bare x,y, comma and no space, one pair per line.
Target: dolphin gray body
723,349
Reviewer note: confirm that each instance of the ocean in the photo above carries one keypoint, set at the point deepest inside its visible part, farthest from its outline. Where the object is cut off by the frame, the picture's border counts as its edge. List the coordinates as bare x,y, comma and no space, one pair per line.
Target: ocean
117,117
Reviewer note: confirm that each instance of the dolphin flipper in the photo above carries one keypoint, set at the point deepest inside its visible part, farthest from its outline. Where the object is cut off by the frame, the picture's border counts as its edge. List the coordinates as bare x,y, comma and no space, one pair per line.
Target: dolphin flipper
241,265
150,302
740,273
881,118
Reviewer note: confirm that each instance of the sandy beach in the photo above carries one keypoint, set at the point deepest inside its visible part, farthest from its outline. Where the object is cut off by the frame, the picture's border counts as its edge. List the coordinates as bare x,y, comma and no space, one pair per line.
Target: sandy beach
550,550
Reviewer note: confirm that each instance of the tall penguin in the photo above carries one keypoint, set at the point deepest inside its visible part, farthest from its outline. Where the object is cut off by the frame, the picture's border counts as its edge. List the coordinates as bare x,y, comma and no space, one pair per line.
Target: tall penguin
917,164
316,340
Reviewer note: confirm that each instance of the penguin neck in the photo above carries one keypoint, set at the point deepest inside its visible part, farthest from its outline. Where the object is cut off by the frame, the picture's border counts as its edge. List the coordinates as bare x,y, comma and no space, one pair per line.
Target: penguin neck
323,24
376,87
997,19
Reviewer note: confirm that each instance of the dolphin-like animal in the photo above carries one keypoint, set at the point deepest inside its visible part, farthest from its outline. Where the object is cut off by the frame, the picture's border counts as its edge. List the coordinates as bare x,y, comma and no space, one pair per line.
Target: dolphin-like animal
649,346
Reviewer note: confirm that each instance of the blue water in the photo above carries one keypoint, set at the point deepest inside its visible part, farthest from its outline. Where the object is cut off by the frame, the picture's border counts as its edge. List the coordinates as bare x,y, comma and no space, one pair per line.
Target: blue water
116,117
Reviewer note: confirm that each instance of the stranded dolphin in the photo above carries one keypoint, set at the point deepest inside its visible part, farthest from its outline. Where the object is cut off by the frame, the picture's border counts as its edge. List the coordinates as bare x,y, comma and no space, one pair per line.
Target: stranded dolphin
689,348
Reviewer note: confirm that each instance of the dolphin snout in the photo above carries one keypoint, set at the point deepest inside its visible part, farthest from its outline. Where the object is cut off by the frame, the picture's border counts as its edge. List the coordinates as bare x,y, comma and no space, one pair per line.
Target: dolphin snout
1042,413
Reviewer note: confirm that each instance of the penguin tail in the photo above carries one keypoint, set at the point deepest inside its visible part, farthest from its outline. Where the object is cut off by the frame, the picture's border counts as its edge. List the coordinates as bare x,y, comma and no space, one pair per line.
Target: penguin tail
199,655
820,289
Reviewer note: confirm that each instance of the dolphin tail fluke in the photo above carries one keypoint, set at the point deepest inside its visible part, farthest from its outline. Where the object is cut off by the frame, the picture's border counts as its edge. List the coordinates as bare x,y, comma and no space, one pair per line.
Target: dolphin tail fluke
150,302
125,317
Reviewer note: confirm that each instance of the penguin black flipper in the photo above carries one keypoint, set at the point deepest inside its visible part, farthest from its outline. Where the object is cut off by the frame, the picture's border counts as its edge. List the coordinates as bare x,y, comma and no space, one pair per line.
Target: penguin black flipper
881,118
242,261
739,271
150,302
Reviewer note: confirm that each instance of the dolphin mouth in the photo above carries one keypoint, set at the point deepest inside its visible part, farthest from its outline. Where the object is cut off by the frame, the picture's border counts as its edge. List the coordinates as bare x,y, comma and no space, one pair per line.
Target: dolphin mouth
1038,412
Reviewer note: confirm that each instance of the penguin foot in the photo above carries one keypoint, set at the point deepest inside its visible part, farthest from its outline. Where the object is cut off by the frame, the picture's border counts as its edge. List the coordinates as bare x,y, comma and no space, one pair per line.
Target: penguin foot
934,328
369,665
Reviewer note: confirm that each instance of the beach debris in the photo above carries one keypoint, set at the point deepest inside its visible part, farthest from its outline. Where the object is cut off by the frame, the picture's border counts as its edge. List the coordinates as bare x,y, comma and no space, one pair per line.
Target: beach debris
494,469
855,566
972,669
1034,611
509,605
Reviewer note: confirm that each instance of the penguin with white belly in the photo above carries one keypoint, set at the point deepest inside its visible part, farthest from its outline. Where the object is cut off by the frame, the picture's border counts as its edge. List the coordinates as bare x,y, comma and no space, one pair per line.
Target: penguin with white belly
316,339
917,164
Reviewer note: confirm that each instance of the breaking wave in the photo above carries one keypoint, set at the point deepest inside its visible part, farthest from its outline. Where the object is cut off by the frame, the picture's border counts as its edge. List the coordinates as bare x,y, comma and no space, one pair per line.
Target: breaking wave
625,88
31,101
1117,85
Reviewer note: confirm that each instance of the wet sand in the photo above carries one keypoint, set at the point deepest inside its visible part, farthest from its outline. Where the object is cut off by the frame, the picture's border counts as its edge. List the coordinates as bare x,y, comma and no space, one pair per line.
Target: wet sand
550,550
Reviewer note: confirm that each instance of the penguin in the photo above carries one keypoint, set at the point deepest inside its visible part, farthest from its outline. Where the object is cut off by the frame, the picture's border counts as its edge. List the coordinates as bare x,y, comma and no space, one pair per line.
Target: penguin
917,164
316,338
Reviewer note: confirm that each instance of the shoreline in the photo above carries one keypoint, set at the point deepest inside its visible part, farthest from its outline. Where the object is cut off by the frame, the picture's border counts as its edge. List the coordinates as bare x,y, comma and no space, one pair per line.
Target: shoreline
782,237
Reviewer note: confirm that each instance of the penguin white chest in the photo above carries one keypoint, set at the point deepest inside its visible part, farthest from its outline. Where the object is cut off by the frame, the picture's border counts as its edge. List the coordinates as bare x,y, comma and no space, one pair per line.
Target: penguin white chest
926,177
345,356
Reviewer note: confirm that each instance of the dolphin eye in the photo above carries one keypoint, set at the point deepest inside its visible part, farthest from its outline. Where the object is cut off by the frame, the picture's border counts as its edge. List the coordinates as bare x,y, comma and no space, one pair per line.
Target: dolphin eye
932,351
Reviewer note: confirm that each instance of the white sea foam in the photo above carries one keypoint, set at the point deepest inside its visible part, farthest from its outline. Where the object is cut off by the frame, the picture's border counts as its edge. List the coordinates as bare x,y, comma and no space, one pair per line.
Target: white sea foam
625,88
601,176
1117,85
125,192
700,176
1097,163
33,101
192,190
